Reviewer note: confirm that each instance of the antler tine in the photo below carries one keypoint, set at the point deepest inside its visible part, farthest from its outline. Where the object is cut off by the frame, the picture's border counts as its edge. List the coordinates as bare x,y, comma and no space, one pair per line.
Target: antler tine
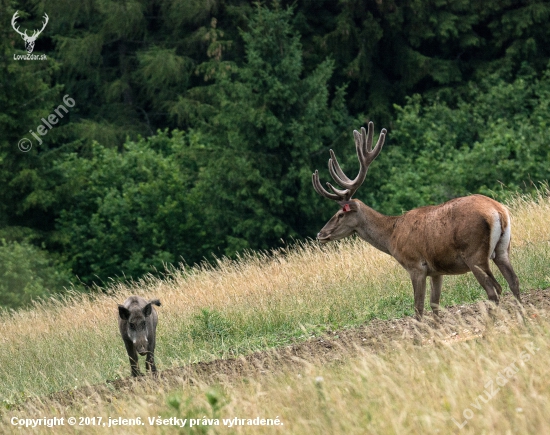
368,140
321,190
336,171
360,147
379,144
344,194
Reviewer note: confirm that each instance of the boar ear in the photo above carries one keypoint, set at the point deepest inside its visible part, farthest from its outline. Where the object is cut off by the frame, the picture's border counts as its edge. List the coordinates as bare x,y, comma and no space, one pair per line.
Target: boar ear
147,310
123,312
154,302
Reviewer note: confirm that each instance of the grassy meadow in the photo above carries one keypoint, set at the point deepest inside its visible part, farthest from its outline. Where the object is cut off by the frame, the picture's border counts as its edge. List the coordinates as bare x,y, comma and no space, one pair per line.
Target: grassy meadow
495,385
264,301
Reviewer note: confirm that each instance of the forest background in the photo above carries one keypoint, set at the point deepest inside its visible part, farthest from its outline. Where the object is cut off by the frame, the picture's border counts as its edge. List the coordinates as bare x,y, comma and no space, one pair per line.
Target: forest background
197,124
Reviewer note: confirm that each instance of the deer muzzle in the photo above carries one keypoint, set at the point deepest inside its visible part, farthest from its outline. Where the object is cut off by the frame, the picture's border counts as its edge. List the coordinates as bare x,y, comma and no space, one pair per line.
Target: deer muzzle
323,238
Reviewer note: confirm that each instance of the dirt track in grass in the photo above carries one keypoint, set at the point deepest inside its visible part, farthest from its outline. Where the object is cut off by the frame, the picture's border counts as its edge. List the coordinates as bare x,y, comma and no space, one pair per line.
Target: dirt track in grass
458,323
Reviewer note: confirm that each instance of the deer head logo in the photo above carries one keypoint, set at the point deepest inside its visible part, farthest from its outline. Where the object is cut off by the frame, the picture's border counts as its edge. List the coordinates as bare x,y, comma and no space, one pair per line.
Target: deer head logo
29,40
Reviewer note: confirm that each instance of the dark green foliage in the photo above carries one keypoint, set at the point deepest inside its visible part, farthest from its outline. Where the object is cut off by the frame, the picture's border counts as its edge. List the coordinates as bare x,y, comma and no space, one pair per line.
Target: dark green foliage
247,184
28,273
131,212
255,95
390,49
267,126
26,95
493,135
132,61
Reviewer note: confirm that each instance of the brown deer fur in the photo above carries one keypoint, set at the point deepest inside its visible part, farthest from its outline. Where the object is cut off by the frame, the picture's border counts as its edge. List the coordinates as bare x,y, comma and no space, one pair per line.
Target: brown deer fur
456,237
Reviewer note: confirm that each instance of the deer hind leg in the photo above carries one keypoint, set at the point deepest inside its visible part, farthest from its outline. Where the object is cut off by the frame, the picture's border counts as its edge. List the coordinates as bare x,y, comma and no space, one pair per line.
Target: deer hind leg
502,260
507,271
485,277
436,284
419,287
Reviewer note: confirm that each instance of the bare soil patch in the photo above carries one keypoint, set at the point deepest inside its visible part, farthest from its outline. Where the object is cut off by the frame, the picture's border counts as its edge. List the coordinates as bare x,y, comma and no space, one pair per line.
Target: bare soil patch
458,323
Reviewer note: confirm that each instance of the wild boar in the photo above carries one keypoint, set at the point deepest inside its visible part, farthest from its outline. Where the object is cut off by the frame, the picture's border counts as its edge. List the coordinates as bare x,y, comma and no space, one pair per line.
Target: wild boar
137,322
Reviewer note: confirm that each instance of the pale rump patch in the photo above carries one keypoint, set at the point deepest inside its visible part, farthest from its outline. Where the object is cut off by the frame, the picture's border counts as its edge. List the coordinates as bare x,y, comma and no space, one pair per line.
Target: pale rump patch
496,233
503,241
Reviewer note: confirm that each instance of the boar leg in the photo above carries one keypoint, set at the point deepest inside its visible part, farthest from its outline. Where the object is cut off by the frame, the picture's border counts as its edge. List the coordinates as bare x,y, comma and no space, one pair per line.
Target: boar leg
150,362
132,354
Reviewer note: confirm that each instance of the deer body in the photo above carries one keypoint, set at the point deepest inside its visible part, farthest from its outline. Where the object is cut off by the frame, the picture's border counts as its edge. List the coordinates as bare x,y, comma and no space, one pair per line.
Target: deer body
456,237
424,237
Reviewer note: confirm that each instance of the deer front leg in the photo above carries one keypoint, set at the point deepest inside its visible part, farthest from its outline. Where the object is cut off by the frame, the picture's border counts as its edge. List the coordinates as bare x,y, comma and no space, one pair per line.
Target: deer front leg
418,279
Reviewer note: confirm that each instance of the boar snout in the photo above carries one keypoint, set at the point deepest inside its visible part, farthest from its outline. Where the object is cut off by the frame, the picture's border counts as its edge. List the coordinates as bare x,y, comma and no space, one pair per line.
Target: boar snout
141,347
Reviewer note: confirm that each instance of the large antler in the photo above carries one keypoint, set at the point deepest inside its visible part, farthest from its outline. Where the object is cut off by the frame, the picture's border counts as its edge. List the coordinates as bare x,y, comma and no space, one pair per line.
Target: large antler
365,154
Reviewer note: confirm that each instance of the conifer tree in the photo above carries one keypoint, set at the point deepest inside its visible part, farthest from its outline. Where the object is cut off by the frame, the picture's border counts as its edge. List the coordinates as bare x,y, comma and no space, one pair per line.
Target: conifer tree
267,125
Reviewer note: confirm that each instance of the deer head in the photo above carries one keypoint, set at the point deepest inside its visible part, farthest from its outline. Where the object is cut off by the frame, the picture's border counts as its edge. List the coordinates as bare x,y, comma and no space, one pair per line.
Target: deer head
29,40
344,222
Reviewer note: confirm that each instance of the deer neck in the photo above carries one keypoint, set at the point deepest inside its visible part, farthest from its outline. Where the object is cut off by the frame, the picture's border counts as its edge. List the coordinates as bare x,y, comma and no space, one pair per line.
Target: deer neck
376,228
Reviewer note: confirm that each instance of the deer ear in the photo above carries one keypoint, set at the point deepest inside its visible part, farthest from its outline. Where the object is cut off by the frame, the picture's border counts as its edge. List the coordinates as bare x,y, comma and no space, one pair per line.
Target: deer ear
348,206
123,312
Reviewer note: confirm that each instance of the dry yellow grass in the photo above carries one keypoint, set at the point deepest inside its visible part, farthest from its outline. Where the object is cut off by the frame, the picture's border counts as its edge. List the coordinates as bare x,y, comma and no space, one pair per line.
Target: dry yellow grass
84,327
64,343
497,384
294,275
259,280
531,217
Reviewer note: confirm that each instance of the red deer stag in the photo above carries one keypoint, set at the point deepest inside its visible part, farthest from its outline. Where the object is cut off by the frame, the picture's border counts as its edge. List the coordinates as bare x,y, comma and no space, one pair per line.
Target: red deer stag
453,238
